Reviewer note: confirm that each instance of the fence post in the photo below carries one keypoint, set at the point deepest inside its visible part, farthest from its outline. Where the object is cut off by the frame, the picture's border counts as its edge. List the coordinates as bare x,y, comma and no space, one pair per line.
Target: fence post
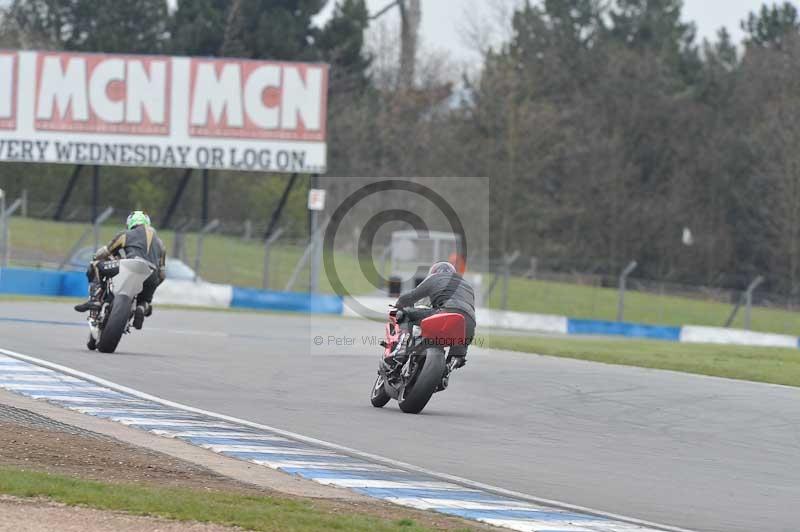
306,255
78,243
504,294
6,214
299,266
508,260
102,217
623,278
179,243
267,245
96,204
748,296
207,229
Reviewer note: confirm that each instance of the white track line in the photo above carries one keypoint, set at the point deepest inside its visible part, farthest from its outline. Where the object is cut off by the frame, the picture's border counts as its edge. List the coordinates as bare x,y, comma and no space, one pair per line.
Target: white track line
342,449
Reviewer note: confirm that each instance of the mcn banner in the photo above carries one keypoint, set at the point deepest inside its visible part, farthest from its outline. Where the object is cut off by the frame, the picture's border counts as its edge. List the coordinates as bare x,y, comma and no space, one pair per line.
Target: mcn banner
162,111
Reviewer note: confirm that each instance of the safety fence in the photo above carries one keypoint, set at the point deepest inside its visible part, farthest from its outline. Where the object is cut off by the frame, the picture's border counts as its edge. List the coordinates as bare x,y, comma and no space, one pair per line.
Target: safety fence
51,283
202,294
563,325
235,252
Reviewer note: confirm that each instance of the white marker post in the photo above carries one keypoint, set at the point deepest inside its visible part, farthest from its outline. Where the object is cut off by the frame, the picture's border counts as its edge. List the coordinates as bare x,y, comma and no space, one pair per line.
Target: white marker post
316,204
4,233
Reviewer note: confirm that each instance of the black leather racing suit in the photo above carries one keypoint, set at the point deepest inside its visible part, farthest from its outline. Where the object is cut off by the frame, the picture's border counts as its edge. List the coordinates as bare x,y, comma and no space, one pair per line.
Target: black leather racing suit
448,292
141,241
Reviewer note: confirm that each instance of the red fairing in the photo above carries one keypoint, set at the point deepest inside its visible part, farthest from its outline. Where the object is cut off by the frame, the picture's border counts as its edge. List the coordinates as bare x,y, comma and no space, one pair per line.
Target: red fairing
445,328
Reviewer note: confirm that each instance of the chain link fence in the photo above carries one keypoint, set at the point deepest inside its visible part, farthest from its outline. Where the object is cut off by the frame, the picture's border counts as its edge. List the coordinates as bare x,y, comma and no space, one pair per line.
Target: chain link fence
534,285
235,253
231,253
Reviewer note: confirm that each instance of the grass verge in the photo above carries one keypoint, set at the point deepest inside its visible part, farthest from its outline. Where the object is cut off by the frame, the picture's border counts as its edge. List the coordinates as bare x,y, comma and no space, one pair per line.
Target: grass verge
591,302
231,509
232,260
226,259
759,364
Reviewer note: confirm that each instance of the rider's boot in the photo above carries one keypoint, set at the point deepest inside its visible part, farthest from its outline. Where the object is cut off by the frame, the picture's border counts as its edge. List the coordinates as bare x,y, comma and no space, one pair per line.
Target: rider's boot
139,314
93,303
453,363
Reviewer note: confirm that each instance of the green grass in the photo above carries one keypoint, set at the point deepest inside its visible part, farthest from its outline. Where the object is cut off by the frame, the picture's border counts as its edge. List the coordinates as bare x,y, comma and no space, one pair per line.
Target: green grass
225,259
760,364
231,509
578,301
233,260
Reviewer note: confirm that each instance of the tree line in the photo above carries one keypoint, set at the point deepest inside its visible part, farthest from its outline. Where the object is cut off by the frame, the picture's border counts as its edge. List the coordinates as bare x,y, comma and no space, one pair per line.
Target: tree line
607,128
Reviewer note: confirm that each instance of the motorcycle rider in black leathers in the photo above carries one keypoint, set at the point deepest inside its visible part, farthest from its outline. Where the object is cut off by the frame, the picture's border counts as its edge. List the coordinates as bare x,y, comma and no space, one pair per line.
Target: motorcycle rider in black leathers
140,240
448,292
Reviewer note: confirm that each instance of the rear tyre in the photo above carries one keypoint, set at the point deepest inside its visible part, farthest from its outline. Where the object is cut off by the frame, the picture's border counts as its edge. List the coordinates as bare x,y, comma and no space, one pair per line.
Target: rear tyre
91,343
427,381
379,397
115,326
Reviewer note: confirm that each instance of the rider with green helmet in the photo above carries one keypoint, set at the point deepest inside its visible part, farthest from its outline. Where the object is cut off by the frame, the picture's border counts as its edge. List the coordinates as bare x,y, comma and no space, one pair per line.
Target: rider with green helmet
139,240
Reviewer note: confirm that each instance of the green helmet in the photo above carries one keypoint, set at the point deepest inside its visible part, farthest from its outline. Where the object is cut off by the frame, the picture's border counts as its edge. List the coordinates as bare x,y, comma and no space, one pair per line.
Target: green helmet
137,218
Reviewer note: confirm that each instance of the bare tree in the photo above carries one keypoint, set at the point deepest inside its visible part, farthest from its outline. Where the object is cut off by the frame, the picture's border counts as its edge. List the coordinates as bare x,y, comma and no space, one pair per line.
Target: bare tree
232,44
410,18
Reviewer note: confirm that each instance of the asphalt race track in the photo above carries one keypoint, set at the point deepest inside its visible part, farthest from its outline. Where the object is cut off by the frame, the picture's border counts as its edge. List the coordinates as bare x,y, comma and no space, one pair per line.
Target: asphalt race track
700,453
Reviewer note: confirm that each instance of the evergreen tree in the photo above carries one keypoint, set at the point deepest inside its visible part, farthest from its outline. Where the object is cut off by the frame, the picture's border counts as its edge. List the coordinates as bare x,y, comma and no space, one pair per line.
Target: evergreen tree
341,43
273,29
554,44
772,25
656,26
198,27
276,29
94,25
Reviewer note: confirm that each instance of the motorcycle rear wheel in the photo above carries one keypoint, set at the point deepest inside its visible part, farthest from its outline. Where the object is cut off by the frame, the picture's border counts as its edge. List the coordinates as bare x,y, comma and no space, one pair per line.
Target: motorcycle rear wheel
428,379
379,397
115,325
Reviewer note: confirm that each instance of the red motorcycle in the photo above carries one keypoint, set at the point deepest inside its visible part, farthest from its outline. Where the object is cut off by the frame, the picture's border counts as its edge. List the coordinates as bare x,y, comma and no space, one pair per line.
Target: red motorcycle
424,369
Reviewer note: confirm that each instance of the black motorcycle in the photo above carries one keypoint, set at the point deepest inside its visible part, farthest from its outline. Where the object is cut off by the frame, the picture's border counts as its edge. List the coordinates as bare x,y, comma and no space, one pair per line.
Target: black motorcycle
122,282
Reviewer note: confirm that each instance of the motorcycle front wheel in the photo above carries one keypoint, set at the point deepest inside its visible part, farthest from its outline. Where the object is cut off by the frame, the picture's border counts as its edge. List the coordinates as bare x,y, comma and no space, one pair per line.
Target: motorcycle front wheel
379,397
419,392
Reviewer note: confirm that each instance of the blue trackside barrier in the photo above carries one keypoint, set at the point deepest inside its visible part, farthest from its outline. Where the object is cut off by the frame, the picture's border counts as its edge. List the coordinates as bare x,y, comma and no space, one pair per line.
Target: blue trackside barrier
26,281
31,282
631,330
50,283
74,284
287,301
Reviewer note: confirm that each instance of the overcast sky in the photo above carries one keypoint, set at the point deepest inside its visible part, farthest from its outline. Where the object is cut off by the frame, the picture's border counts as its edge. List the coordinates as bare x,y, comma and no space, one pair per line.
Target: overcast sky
443,21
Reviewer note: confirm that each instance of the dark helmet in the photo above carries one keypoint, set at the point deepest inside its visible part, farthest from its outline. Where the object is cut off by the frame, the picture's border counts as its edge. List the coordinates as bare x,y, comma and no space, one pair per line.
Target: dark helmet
442,267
